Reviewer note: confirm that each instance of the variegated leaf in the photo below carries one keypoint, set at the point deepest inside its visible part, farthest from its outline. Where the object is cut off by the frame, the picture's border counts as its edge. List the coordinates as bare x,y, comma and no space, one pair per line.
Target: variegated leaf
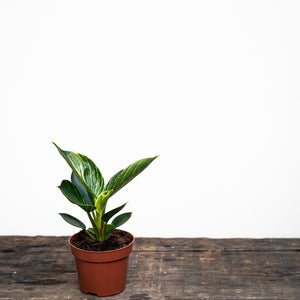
85,170
112,180
120,179
87,196
101,201
73,194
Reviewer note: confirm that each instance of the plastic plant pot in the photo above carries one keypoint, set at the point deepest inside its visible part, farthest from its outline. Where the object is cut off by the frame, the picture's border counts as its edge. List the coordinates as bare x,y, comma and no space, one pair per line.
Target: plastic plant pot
102,273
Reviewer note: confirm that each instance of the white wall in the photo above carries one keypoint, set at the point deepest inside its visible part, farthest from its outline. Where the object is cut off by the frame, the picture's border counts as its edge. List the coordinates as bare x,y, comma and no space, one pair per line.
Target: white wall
211,86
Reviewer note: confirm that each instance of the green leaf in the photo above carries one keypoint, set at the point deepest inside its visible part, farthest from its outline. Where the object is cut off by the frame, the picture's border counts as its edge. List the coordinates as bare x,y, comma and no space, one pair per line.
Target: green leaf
85,170
87,196
73,221
121,219
106,217
120,179
108,229
72,193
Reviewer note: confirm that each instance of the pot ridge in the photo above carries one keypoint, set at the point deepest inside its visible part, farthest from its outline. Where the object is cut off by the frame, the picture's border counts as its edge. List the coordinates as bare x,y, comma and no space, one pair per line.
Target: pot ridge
101,256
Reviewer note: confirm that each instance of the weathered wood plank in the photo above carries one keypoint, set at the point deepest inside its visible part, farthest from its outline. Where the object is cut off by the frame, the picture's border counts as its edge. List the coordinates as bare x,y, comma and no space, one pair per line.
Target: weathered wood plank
43,268
202,244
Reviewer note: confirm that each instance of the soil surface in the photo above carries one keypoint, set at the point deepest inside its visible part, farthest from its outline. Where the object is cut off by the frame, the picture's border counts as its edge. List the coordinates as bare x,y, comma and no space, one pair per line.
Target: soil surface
118,239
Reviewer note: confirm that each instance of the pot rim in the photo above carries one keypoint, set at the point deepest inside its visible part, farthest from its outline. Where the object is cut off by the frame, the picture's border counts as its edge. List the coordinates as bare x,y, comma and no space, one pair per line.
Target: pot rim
107,251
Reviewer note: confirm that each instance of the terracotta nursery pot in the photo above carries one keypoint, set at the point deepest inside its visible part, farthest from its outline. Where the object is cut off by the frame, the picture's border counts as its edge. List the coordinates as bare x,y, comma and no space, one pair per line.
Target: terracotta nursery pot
102,272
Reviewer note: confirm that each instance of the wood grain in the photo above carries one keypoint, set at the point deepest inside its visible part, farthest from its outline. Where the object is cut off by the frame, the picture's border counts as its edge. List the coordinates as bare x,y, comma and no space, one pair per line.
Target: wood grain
43,268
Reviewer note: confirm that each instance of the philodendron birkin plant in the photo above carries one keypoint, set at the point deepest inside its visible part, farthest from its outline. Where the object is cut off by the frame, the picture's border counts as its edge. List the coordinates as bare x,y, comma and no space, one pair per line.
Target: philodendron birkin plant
88,190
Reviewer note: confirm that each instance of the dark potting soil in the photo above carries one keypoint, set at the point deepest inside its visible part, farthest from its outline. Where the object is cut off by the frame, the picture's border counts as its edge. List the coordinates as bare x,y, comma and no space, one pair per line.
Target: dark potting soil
118,239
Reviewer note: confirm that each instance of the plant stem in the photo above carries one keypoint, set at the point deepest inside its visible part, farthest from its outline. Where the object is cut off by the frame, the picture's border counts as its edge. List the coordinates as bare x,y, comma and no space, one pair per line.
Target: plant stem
97,233
90,235
102,231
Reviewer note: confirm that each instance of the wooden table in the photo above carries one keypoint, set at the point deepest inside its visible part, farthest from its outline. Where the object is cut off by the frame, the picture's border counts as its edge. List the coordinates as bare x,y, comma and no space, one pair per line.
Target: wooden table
43,268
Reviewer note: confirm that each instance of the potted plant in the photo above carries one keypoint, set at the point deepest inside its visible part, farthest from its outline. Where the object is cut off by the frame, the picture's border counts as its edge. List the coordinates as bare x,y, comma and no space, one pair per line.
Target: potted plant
101,251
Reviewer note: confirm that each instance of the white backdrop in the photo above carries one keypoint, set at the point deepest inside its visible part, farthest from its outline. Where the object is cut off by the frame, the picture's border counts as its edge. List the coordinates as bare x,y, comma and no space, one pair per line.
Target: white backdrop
211,86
